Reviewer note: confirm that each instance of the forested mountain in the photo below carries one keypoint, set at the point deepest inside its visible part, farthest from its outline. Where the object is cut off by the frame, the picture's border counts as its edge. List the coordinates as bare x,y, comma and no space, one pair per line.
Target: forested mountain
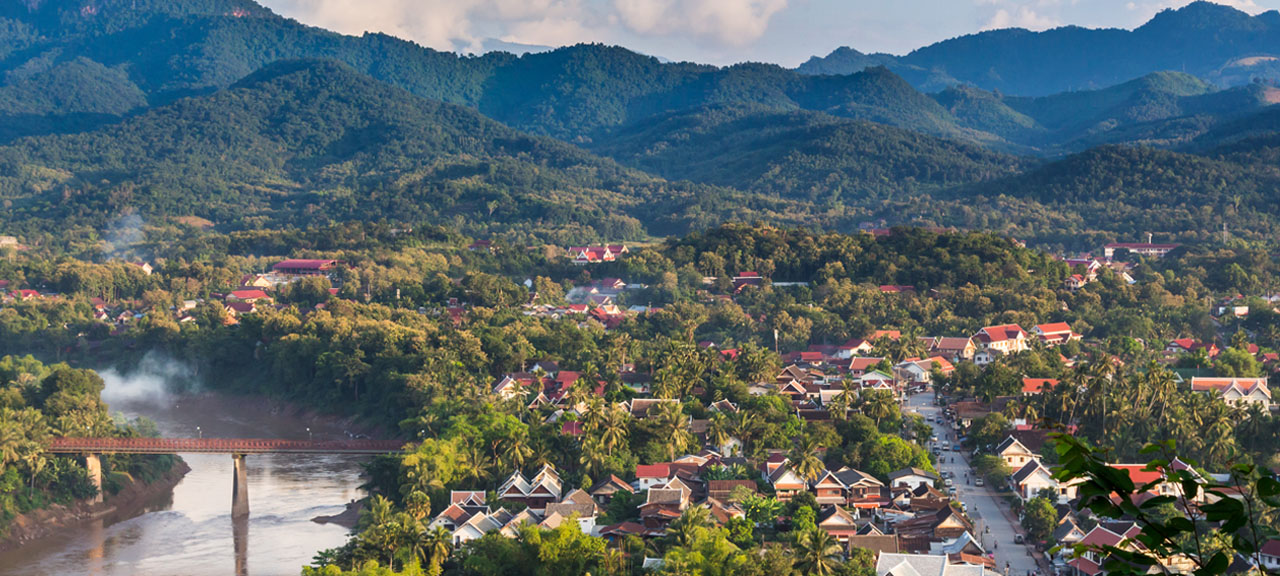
1217,43
71,66
800,155
307,142
1131,191
1165,109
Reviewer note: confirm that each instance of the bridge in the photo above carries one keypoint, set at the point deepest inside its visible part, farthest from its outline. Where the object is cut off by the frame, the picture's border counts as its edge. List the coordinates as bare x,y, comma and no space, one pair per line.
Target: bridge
93,448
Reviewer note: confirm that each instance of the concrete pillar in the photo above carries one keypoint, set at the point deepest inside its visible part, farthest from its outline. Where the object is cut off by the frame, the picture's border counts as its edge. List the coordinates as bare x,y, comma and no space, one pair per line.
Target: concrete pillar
239,488
94,463
240,540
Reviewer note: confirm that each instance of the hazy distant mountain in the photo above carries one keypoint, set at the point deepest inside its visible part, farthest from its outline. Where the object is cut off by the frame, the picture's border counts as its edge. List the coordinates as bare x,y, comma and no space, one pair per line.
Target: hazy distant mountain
495,45
1216,43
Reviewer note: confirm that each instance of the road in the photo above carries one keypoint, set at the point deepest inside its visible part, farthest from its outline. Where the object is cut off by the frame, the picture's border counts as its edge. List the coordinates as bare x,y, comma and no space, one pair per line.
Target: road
984,506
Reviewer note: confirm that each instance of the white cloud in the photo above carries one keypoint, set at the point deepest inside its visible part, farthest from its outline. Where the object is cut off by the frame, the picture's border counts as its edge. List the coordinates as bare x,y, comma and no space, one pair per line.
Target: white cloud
725,22
1010,14
462,24
447,24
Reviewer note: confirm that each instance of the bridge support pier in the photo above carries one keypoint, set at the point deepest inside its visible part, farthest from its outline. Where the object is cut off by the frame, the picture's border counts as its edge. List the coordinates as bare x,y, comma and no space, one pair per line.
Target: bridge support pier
239,488
94,463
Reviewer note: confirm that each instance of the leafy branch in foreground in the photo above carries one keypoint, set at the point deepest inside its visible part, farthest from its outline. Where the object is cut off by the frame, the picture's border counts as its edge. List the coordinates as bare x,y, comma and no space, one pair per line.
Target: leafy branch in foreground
1188,522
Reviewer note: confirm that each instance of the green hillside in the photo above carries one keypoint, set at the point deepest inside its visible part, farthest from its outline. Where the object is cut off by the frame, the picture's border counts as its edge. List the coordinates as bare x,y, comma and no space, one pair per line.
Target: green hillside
800,155
306,143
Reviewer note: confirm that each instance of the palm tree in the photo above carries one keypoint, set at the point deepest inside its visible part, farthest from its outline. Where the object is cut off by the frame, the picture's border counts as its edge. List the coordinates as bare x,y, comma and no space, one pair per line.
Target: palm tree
817,553
718,430
613,428
840,405
804,460
878,405
434,546
516,450
673,425
745,426
686,526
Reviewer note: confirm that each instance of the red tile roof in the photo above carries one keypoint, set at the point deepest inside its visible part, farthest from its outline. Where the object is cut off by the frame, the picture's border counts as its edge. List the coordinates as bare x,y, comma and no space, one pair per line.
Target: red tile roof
653,471
1037,385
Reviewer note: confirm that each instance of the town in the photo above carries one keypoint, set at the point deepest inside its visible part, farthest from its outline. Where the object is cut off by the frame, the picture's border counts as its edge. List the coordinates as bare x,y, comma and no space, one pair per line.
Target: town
895,450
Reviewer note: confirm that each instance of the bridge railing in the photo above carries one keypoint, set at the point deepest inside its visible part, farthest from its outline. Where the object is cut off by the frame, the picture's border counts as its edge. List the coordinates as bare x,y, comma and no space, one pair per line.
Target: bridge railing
220,446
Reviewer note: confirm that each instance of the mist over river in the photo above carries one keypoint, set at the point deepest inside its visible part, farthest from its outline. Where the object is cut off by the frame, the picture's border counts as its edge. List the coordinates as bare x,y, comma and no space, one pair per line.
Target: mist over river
189,531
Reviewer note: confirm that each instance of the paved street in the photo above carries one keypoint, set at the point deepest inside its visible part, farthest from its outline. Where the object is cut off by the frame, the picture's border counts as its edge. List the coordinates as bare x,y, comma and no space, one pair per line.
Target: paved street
983,504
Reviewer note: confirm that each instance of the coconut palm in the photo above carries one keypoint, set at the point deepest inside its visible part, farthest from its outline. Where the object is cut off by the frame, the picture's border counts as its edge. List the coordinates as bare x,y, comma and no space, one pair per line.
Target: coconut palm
613,427
434,546
686,527
817,553
805,461
516,450
718,430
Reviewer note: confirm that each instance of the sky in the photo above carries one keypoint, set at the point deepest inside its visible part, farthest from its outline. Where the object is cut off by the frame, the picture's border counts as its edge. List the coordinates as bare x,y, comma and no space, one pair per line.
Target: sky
721,32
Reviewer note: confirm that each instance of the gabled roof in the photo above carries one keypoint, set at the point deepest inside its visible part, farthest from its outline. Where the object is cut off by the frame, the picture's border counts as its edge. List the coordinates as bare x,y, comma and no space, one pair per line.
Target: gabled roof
834,516
653,471
850,477
911,472
1028,470
1000,333
1037,385
610,485
1243,386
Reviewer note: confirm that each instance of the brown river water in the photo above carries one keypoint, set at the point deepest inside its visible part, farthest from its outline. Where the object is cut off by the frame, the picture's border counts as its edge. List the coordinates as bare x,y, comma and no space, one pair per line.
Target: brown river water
189,531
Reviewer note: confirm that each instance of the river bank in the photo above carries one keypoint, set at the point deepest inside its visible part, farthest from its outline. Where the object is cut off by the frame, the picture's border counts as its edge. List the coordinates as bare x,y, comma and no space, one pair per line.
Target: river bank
38,524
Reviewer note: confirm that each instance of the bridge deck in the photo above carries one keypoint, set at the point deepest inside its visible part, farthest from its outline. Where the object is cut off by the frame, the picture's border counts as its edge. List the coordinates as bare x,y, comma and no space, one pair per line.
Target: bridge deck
220,446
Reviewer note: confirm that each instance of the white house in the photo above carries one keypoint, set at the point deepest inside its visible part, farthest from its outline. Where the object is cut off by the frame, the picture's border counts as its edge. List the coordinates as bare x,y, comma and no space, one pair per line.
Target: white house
911,478
1236,390
1033,477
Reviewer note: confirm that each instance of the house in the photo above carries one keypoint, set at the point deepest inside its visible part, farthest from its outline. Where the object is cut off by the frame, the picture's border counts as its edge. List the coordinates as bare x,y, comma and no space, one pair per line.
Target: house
892,289
144,266
919,373
838,522
662,506
604,490
1189,346
1104,534
1006,338
1068,531
481,246
295,267
544,488
927,527
876,543
861,490
853,347
1075,282
583,255
894,564
1054,334
1270,555
912,478
861,365
956,348
1235,391
877,380
650,476
640,407
1015,454
1034,386
786,483
576,503
247,295
723,489
1140,248
1033,477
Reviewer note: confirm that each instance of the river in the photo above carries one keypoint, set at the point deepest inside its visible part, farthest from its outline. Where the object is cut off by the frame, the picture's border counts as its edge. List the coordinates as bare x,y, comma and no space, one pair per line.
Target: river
189,531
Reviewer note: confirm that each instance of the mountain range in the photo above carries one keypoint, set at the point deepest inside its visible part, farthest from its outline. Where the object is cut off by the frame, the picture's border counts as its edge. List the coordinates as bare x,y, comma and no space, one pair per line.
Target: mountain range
220,111
1217,43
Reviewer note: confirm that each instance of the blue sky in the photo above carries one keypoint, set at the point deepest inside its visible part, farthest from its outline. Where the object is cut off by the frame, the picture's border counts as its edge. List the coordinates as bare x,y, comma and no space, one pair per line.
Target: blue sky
719,31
